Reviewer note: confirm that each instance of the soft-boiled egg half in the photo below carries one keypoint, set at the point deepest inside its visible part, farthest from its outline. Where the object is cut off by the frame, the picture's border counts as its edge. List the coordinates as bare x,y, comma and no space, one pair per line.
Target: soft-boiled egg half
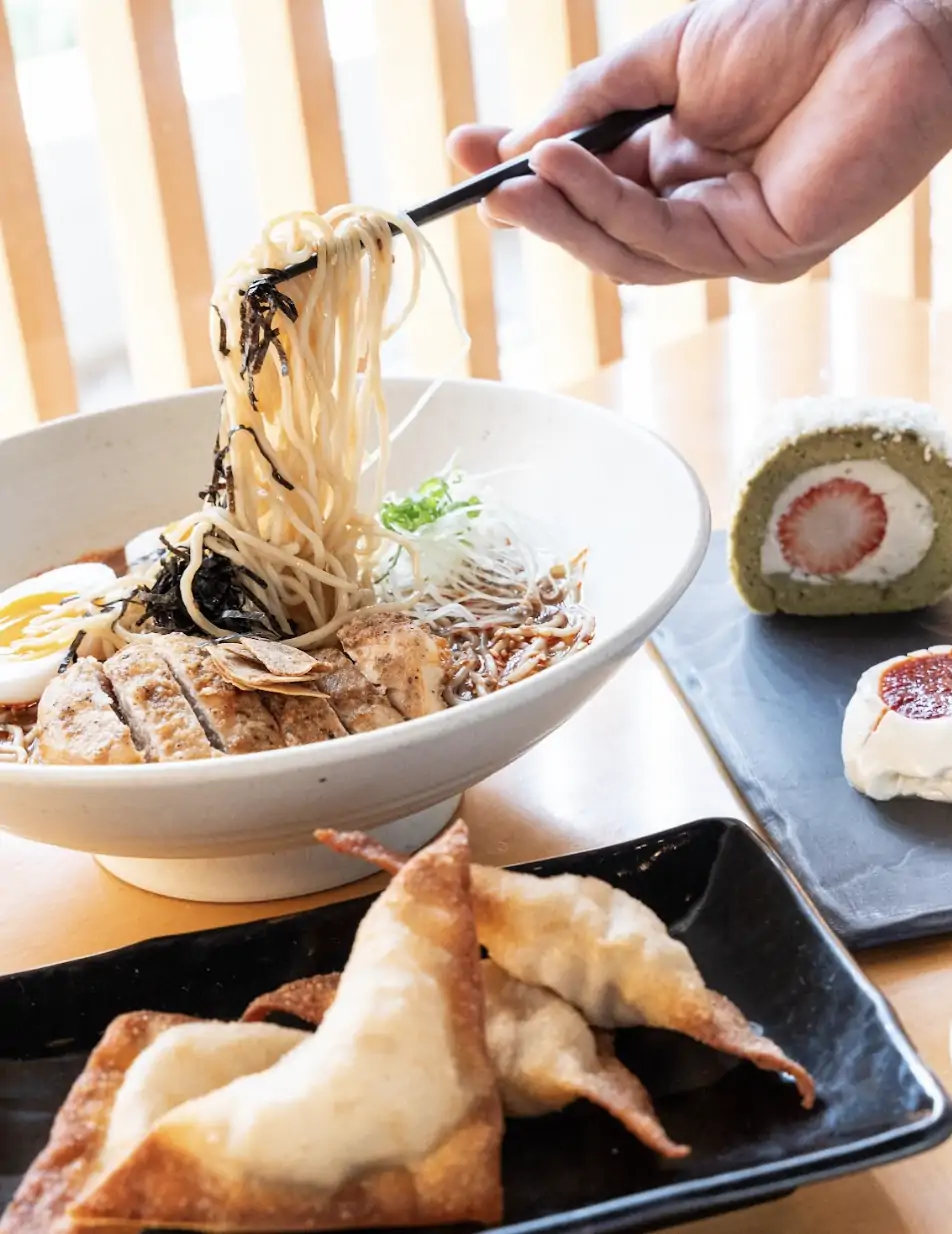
897,730
148,546
24,673
145,547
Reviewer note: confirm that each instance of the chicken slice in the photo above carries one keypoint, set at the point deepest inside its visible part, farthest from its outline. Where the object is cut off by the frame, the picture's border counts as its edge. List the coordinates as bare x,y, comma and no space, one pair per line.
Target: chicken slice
360,705
401,655
304,719
163,724
234,720
78,723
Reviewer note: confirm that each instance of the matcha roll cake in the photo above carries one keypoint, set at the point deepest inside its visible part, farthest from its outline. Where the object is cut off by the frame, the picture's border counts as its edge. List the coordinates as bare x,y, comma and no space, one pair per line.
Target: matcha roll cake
845,507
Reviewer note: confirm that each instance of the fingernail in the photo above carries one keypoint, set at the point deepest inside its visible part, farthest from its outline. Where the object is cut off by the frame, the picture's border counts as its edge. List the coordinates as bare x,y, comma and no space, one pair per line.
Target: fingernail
537,150
537,153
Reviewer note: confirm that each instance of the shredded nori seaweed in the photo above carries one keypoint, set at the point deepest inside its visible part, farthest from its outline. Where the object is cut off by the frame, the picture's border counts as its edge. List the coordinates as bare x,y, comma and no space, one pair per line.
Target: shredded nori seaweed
223,480
265,454
218,588
259,306
223,349
72,653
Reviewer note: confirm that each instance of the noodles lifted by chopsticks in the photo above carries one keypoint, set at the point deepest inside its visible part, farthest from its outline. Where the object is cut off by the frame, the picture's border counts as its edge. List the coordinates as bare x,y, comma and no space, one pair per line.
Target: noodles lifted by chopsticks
281,546
303,408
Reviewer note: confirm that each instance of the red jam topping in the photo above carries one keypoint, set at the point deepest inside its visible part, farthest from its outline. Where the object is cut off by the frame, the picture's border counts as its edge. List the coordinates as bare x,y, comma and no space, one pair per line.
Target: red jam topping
919,687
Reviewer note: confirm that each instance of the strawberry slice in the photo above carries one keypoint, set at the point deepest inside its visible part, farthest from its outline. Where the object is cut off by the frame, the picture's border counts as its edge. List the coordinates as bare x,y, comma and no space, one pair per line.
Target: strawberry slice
831,527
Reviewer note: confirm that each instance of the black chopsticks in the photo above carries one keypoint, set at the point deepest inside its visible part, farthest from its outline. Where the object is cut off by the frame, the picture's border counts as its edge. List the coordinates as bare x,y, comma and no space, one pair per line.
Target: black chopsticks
599,138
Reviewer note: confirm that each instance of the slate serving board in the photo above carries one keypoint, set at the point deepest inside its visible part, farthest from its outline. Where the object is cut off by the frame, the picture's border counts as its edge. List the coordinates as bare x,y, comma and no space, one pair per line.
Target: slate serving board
770,692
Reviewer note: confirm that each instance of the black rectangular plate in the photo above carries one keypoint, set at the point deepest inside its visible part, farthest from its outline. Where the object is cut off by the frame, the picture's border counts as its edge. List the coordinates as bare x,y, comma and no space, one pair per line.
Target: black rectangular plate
770,693
754,937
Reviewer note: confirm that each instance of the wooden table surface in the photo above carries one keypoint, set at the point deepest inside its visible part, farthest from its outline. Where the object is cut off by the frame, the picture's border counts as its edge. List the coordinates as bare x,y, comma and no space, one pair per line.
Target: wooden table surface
632,761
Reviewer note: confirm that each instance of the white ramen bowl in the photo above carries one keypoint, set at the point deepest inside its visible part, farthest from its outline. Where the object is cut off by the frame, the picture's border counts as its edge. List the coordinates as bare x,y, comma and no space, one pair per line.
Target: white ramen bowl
240,828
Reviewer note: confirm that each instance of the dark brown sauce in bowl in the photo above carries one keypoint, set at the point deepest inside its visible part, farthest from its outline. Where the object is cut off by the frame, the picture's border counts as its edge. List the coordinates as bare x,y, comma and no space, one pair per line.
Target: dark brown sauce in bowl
23,715
114,558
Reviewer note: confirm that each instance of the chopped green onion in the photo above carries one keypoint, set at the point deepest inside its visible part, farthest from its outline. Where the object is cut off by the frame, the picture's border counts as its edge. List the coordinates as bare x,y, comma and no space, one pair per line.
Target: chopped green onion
432,501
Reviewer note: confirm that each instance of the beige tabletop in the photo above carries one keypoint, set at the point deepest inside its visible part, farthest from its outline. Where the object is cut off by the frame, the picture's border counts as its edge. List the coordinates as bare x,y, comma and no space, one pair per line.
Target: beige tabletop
633,761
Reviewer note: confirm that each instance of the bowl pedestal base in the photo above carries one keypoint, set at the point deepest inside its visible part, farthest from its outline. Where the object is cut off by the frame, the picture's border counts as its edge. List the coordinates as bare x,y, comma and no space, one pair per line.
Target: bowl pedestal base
273,876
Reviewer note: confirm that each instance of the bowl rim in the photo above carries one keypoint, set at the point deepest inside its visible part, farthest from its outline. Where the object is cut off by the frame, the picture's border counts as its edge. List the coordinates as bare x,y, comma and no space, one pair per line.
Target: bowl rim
321,755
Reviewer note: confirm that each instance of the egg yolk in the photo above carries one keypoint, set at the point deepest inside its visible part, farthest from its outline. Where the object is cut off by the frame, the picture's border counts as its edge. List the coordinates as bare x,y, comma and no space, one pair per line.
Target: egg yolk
17,615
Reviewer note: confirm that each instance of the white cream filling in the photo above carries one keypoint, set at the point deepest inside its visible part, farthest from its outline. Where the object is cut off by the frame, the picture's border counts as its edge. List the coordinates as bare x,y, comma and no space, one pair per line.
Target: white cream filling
887,754
910,523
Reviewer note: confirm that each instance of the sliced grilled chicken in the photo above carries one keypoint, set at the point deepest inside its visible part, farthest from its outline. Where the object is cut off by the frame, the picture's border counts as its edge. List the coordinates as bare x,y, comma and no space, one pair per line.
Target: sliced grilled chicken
401,655
77,720
163,724
236,721
304,719
360,705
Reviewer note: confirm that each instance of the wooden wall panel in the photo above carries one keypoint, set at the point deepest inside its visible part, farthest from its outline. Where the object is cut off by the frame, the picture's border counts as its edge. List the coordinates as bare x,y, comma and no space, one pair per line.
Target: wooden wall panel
940,193
894,256
426,87
152,185
670,313
576,316
34,357
291,103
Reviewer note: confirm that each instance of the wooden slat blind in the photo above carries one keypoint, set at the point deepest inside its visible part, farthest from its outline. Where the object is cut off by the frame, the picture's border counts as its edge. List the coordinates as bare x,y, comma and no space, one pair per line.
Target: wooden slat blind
576,315
291,103
425,76
940,201
894,256
682,308
922,255
34,359
159,231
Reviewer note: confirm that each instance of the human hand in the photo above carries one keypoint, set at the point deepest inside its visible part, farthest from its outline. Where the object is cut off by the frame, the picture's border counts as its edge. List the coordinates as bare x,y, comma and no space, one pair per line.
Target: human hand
795,126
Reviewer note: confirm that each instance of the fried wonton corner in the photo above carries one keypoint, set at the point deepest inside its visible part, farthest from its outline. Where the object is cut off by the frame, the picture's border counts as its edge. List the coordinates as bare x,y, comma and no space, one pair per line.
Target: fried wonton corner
71,1157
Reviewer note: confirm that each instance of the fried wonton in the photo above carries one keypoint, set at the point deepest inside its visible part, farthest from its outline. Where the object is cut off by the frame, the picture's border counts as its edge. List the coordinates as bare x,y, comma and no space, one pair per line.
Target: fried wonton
612,957
388,1115
601,950
145,1064
546,1057
73,1153
307,1000
544,1054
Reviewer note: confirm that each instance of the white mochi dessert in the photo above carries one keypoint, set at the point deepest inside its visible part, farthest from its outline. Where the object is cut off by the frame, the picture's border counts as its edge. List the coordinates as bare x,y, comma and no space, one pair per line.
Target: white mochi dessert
897,729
